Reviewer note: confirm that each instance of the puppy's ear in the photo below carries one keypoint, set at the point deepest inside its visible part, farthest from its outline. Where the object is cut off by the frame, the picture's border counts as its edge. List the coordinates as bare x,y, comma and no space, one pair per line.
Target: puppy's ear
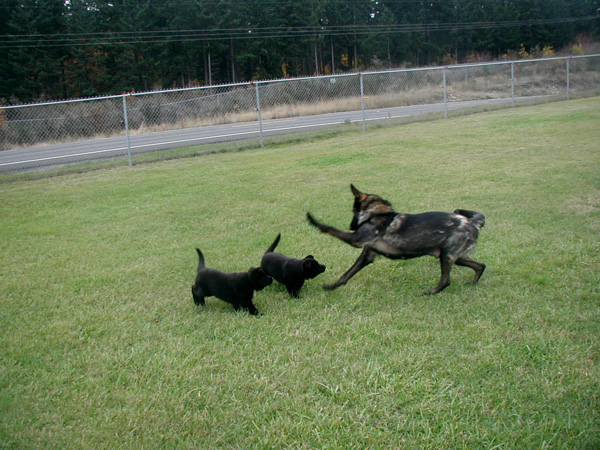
256,273
309,262
309,257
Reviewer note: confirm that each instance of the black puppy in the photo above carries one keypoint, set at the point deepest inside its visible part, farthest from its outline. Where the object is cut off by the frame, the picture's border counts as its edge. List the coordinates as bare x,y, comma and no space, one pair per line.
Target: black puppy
234,288
290,271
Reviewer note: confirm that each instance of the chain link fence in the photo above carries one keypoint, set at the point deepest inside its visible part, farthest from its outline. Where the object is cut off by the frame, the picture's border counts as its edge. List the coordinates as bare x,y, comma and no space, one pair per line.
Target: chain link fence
166,124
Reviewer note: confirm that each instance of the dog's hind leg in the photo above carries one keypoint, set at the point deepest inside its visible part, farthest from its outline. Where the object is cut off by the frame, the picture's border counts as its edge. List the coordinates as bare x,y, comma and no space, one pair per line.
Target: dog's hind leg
476,266
366,257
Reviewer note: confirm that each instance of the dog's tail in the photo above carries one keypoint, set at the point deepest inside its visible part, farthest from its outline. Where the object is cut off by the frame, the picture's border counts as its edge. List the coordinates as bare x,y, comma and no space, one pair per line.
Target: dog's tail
274,244
476,218
200,259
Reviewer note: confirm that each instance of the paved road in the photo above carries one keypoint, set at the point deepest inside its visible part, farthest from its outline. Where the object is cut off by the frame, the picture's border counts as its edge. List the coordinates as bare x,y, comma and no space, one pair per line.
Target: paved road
92,150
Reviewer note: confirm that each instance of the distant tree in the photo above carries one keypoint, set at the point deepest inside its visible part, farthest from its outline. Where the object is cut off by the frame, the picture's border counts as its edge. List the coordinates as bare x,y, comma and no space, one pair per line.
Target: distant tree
31,69
54,49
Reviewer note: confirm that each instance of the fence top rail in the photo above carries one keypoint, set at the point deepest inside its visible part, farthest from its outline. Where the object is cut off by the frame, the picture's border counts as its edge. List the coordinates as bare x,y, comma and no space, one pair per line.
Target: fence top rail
195,88
58,102
416,69
320,77
521,61
285,80
127,94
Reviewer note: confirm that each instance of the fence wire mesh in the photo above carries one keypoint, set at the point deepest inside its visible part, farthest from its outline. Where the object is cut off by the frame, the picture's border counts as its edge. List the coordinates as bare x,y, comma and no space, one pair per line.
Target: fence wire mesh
166,124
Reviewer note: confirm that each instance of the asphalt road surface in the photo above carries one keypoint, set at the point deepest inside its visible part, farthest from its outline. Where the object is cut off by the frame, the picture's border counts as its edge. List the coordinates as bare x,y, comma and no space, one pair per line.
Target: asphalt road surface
46,156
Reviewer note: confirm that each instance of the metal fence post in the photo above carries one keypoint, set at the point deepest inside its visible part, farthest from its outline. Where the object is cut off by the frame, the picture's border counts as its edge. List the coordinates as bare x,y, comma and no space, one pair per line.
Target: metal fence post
362,102
512,82
127,129
445,94
260,129
568,78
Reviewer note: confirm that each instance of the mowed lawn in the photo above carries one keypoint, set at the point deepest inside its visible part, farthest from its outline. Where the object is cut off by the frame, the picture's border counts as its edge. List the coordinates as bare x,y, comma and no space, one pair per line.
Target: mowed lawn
101,346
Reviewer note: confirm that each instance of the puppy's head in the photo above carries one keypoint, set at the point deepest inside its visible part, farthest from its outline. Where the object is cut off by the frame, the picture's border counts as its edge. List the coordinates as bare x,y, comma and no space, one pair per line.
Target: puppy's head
259,279
311,267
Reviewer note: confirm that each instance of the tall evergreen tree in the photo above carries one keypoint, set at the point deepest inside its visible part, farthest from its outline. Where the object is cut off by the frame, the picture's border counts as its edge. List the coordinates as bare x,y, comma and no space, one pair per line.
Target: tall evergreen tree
33,67
58,48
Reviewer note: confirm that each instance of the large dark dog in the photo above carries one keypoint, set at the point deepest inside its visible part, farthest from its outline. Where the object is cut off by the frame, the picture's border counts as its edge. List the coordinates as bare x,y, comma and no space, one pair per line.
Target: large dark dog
235,288
379,230
290,271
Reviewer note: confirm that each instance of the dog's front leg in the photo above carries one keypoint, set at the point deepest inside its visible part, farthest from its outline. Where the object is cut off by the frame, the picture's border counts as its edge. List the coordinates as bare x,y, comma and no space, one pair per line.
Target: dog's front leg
252,309
366,257
446,265
354,239
198,298
248,307
294,291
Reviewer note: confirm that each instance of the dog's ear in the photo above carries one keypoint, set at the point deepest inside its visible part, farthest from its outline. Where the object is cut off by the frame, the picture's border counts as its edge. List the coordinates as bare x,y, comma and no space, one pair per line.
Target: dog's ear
257,275
360,196
254,273
309,257
308,263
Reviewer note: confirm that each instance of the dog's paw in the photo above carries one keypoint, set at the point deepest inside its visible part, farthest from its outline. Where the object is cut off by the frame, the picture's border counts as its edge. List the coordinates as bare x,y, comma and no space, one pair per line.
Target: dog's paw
436,290
315,223
198,300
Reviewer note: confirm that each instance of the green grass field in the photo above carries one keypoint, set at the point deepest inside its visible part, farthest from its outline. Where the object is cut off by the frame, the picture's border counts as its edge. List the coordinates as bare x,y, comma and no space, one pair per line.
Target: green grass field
101,346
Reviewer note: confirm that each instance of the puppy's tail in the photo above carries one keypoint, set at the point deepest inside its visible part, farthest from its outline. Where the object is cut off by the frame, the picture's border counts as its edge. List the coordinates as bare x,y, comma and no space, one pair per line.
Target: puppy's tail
476,218
274,244
200,259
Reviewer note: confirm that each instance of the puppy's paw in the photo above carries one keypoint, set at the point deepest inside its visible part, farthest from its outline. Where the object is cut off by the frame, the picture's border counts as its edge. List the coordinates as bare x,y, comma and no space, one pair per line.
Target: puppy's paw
197,299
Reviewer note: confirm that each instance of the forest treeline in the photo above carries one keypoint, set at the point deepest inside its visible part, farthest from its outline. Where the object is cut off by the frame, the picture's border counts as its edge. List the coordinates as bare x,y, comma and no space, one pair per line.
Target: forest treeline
56,49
